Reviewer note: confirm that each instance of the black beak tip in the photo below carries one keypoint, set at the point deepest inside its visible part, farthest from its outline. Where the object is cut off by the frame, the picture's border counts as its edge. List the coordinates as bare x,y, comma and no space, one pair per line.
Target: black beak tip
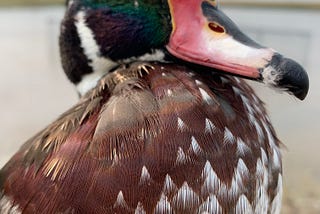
294,78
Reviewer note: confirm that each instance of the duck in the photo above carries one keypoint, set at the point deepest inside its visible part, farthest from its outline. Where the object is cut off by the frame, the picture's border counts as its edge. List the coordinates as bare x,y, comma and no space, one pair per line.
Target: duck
165,122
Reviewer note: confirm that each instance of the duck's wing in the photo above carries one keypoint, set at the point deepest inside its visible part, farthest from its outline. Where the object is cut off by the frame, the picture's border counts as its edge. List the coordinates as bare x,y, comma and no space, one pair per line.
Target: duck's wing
29,178
155,139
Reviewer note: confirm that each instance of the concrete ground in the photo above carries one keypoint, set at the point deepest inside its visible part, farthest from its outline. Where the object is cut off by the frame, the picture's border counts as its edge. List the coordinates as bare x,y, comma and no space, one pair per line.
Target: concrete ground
34,90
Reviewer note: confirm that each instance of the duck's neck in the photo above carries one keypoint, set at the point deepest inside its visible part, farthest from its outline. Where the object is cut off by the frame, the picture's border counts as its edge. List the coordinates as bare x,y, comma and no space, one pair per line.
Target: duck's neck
94,40
105,65
98,61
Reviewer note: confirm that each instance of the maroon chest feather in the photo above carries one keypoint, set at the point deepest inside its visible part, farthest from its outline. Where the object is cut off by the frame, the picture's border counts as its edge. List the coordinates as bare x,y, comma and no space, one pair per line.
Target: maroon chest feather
166,141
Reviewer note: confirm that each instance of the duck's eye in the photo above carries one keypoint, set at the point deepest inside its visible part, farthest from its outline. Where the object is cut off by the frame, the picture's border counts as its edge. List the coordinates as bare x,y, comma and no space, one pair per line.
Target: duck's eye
216,27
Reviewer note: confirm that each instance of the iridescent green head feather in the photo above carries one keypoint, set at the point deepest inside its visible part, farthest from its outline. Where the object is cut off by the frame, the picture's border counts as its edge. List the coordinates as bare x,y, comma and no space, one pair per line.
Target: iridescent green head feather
153,15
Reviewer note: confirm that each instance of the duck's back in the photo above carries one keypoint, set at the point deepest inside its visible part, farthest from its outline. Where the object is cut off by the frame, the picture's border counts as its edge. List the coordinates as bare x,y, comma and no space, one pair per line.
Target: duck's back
164,141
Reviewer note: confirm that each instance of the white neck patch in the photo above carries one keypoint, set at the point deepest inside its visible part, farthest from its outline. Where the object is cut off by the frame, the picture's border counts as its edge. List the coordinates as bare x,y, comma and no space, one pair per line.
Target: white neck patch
100,65
155,55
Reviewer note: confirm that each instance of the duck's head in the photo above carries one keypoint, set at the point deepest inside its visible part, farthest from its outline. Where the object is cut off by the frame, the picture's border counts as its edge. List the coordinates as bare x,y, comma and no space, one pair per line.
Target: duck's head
98,35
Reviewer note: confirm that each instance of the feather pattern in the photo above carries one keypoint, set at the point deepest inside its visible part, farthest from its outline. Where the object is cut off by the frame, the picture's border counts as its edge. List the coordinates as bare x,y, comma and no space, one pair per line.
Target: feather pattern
164,139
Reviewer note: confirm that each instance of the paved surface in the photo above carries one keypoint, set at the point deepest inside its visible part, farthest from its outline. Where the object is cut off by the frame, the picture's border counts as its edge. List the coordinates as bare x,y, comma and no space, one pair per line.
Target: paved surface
34,91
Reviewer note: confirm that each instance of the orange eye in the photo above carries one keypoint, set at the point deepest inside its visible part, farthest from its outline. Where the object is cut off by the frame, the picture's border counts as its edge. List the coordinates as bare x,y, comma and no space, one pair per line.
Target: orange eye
216,27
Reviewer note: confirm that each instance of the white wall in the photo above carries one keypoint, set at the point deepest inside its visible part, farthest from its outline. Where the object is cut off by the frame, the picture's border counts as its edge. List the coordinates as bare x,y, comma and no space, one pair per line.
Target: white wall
33,88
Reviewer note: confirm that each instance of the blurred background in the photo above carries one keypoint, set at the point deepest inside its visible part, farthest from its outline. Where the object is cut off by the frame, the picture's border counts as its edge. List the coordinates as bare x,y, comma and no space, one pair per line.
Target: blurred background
34,90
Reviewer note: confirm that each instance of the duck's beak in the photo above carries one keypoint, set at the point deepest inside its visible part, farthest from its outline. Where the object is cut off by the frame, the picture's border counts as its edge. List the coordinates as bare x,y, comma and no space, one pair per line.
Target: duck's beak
202,34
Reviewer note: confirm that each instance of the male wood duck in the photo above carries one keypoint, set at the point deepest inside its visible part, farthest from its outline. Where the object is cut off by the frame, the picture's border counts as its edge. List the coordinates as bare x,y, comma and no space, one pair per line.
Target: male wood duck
163,124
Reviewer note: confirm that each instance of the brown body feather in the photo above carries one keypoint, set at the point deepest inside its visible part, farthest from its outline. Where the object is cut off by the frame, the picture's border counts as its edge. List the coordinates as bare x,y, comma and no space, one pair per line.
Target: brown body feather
164,141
